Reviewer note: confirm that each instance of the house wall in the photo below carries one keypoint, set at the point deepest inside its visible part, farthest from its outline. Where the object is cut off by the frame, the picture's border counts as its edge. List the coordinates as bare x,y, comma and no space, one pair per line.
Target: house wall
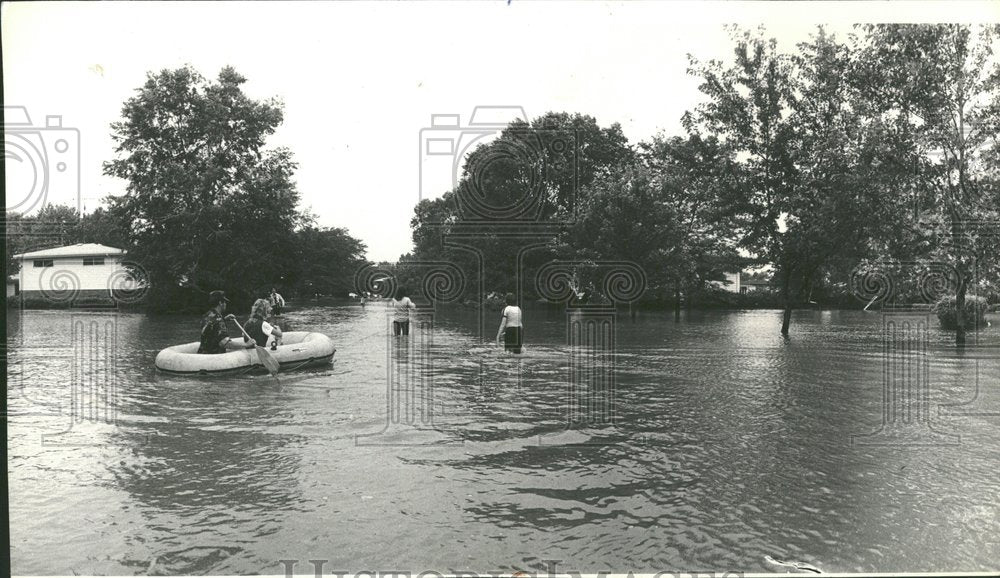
68,274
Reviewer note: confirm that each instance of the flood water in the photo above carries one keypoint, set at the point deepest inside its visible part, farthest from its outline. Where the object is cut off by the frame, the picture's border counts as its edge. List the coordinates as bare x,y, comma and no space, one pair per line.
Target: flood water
713,443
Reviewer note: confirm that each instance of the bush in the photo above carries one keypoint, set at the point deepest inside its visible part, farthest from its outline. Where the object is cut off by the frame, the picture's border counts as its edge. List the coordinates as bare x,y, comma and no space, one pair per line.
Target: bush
975,312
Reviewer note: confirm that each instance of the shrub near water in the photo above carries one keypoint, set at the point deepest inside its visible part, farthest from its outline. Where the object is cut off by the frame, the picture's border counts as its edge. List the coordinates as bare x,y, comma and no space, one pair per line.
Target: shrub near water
975,312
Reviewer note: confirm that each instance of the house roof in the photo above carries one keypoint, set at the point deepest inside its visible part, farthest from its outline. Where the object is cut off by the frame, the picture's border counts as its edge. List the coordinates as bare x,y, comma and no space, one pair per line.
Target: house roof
78,250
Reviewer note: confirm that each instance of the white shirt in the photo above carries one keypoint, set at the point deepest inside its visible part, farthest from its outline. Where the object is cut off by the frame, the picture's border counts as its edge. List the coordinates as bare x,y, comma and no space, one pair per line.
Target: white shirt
266,327
513,315
401,309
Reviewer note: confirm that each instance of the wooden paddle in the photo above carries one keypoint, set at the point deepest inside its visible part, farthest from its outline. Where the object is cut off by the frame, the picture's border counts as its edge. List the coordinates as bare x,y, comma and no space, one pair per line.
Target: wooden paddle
270,363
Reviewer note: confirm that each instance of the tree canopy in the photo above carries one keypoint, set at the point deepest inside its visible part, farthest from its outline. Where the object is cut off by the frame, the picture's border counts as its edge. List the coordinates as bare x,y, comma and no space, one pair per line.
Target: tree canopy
207,204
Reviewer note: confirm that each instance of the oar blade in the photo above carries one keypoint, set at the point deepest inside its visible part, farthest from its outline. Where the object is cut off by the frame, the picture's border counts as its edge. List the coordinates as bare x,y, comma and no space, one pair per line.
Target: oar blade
268,360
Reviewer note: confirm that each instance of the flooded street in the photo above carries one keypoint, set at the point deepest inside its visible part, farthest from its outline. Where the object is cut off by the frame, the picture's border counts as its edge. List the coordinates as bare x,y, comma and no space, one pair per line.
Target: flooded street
715,443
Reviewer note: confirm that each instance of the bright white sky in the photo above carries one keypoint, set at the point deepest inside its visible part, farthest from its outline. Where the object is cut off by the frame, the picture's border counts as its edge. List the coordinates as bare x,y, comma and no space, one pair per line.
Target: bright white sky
360,80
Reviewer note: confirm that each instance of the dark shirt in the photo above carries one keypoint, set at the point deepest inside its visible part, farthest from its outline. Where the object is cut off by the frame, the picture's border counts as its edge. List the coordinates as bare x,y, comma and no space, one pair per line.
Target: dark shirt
254,328
213,330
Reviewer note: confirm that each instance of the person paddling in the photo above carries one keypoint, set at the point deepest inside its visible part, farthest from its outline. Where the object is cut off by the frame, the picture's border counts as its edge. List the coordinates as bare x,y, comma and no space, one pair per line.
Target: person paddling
401,305
511,327
214,336
258,328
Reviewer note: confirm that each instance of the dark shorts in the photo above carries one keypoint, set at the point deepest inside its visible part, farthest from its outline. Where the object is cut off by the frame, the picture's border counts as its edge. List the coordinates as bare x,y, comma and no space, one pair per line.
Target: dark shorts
400,327
513,339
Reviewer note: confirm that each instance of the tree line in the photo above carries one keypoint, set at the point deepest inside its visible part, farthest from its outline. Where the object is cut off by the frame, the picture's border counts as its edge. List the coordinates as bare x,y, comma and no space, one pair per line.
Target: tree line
838,158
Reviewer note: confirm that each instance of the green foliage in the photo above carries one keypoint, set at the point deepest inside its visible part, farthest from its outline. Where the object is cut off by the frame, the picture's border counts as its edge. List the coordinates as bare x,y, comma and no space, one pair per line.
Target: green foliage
554,160
100,227
325,262
206,206
975,311
940,86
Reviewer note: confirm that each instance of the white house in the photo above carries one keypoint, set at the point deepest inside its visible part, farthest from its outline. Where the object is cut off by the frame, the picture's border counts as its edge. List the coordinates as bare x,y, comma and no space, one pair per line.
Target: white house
86,272
731,283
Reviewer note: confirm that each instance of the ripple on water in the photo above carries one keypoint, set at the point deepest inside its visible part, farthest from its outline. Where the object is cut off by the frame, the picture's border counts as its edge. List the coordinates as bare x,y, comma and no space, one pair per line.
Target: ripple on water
729,444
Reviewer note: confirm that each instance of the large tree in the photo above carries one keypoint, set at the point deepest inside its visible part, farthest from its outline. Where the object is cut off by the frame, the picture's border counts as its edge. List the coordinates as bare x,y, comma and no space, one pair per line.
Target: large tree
326,262
535,172
207,206
941,85
813,193
749,104
696,178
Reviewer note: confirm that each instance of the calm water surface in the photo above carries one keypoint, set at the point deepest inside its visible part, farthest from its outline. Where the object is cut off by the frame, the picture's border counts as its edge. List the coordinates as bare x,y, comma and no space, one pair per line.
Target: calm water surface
730,444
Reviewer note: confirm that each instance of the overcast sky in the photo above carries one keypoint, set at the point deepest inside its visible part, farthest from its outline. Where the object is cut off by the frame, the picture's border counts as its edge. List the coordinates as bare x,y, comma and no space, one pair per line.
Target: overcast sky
360,80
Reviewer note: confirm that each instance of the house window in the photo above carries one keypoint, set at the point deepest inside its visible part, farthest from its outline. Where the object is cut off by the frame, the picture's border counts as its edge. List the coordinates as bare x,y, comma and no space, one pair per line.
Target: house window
43,262
93,260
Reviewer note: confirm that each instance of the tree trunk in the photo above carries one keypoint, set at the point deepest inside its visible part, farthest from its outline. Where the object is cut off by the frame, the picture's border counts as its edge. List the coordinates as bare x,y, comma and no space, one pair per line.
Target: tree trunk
677,301
786,319
960,312
958,234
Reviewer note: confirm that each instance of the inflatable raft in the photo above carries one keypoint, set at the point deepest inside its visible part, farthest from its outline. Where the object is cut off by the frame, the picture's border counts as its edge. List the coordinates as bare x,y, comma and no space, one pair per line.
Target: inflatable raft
298,349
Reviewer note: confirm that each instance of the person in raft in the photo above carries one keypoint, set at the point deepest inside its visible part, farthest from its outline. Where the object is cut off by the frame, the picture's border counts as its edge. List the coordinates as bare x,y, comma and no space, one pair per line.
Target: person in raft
276,300
258,328
401,305
214,336
511,327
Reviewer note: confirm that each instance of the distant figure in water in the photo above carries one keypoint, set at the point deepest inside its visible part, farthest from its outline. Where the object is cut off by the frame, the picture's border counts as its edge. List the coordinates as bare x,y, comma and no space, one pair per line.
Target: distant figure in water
276,300
362,301
401,305
511,326
260,330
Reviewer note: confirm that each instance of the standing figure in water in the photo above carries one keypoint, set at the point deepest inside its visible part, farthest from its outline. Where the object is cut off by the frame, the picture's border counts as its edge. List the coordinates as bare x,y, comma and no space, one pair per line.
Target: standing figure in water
511,327
401,305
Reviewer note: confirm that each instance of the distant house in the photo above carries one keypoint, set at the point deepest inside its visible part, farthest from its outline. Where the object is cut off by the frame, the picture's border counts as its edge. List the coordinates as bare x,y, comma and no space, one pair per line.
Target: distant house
86,273
751,283
731,283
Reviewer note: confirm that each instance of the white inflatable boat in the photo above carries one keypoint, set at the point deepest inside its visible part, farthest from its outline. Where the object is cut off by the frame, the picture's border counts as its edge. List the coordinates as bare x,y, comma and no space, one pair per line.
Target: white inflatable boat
298,349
